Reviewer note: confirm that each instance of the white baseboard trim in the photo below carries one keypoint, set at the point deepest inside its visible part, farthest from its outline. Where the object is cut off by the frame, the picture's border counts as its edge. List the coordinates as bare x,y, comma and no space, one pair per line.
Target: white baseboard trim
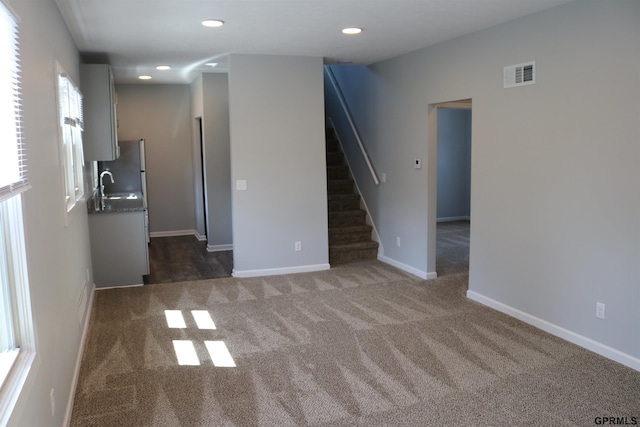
582,341
200,237
421,274
219,248
453,218
76,370
279,271
119,287
173,233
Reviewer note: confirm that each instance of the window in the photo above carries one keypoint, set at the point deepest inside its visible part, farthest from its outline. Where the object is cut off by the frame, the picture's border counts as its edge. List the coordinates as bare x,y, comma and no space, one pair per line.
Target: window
17,341
70,115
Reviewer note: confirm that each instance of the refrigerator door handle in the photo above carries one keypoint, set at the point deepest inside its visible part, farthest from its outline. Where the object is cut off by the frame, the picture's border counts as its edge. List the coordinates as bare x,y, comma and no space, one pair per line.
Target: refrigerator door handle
143,180
143,165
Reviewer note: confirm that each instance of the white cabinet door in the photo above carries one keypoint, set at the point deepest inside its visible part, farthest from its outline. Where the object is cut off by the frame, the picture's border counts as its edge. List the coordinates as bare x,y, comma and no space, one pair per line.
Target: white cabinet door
100,136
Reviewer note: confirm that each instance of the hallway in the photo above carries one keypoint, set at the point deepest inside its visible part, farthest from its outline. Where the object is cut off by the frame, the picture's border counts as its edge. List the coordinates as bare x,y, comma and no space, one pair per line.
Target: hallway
185,258
452,247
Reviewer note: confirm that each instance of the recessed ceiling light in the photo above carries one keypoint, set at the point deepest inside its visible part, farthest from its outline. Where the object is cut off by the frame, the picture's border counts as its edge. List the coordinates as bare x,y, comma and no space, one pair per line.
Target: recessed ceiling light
163,67
212,23
352,30
144,77
212,64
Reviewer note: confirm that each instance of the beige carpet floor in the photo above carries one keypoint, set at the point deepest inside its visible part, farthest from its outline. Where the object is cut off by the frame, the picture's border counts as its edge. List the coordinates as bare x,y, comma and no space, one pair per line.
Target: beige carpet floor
362,344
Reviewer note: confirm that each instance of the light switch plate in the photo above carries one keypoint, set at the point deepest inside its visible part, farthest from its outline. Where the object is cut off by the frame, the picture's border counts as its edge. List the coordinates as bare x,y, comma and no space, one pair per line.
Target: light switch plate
241,184
417,163
600,310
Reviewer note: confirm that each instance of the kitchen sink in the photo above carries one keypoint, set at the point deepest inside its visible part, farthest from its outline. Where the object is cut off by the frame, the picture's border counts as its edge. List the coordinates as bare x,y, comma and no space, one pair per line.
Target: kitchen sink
117,202
121,196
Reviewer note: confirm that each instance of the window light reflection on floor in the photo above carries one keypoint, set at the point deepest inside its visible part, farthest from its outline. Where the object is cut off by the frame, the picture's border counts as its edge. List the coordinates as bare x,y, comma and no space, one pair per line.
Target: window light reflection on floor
185,349
175,319
220,354
203,319
186,352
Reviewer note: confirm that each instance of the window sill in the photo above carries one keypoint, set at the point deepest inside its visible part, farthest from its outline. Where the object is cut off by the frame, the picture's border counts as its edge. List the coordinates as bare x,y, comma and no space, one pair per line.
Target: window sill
15,383
6,362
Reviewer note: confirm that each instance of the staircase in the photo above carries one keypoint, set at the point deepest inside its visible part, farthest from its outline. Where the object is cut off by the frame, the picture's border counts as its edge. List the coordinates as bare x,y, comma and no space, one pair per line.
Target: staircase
349,234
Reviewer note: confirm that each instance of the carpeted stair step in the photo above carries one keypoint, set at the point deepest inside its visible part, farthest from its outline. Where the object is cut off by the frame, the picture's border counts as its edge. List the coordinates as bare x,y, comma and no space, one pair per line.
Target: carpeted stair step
343,202
346,218
340,186
338,172
349,234
349,252
335,159
332,145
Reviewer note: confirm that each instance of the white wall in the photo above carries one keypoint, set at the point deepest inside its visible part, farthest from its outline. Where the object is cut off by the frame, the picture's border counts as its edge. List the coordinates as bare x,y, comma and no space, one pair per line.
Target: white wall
555,183
197,110
277,146
58,255
218,159
210,102
161,114
454,164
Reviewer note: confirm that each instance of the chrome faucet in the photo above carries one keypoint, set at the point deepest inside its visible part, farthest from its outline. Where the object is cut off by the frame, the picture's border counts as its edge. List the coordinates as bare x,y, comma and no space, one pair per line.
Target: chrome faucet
102,174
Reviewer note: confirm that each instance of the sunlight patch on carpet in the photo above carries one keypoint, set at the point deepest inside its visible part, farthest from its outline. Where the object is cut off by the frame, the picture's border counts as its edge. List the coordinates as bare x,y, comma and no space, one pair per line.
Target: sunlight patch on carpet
220,354
186,352
203,319
175,319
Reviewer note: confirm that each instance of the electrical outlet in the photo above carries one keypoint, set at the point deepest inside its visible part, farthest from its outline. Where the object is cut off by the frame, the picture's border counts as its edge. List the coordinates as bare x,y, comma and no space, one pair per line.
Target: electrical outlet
398,241
53,403
417,163
298,246
241,184
600,310
383,177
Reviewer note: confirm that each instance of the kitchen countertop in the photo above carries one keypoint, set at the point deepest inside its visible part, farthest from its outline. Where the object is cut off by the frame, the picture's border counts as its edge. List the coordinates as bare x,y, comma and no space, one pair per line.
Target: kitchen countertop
114,203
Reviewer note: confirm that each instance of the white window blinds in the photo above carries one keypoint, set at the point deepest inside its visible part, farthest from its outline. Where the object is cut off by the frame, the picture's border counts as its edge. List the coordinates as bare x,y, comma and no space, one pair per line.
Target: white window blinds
17,343
13,167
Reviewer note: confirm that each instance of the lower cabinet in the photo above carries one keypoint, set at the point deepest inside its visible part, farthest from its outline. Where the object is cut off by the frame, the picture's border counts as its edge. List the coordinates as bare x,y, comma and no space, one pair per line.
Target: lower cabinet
119,248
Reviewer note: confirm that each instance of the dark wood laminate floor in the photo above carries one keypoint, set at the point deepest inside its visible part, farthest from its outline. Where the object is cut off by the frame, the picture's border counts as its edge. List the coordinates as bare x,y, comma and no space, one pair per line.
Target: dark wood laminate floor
185,258
452,247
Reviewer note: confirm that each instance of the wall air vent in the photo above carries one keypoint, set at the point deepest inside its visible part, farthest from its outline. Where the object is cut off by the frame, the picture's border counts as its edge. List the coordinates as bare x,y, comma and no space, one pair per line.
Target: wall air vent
520,74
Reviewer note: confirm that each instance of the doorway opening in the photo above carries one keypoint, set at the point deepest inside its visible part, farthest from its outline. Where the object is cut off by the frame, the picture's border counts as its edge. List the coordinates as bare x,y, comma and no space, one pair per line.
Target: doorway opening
452,195
202,177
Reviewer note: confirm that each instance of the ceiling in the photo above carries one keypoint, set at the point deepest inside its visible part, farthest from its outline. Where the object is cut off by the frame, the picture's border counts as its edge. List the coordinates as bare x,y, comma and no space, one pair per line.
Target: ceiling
135,36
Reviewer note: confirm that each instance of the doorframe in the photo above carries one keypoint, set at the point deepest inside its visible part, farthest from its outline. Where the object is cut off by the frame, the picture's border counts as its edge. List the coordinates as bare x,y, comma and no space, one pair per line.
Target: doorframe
432,176
203,176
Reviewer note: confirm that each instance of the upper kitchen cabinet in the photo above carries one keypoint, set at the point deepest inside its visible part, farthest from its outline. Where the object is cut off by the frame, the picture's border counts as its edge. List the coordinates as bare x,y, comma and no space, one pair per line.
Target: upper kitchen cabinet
99,104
